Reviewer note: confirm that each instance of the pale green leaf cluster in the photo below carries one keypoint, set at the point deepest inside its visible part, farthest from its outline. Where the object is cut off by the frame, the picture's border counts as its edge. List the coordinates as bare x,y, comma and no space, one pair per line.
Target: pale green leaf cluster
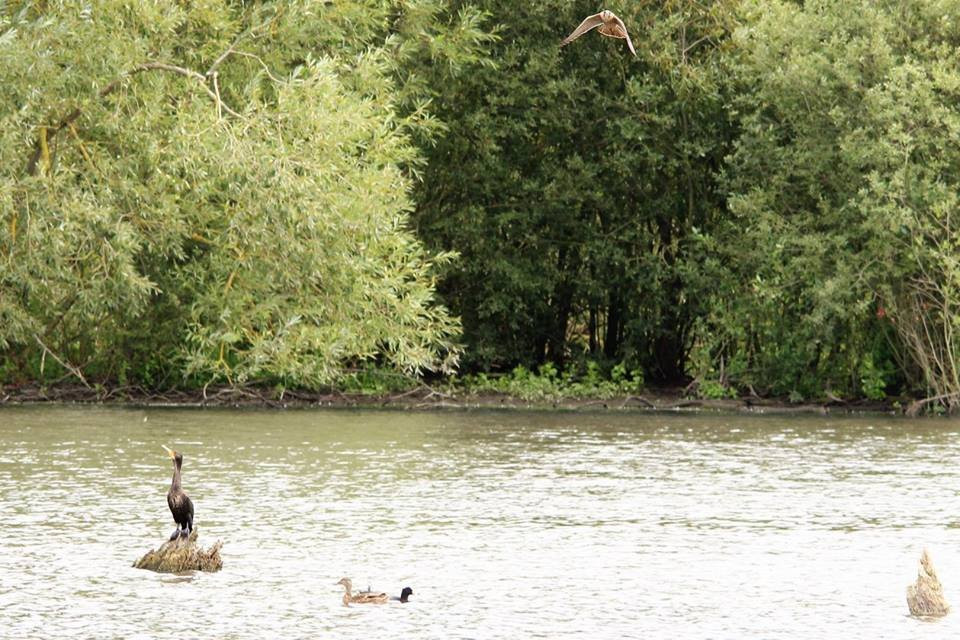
214,191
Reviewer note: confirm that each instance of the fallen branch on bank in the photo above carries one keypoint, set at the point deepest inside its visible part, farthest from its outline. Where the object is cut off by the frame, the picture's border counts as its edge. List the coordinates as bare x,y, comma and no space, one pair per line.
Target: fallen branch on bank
917,405
639,400
182,554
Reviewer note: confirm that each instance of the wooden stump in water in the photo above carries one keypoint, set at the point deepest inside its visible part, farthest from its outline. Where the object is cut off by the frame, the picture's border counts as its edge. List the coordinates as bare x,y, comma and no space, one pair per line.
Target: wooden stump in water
182,554
925,597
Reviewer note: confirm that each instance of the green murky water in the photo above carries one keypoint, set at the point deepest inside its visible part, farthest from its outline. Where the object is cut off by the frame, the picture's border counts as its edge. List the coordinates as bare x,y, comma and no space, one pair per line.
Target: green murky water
506,525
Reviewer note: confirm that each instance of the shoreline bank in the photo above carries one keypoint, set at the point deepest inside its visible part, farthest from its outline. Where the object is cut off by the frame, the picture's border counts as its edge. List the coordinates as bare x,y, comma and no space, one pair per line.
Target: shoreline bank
426,398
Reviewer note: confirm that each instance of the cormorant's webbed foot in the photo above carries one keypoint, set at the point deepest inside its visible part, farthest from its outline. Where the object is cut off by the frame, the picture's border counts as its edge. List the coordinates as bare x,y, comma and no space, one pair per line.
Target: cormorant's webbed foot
175,534
184,533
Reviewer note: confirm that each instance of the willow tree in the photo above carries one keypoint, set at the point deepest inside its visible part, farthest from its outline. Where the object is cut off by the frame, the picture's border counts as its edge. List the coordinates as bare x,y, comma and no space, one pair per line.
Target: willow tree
217,191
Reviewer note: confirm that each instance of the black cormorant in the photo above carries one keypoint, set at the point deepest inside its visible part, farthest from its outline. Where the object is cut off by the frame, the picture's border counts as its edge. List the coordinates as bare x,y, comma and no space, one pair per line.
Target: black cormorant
179,502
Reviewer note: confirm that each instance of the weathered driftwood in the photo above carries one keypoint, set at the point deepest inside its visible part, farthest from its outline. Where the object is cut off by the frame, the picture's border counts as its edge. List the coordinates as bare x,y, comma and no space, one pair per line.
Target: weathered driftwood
182,554
925,597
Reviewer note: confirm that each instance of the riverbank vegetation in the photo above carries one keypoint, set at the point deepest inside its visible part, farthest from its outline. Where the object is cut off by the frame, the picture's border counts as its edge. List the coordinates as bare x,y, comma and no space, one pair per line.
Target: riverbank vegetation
309,195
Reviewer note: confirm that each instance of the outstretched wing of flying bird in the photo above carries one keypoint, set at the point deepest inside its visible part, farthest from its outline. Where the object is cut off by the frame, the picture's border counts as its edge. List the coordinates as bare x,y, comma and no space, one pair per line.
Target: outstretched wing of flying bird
590,22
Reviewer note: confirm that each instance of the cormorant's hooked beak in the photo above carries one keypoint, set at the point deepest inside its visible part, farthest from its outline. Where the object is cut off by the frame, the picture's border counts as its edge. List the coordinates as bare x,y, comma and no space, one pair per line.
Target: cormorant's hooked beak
170,453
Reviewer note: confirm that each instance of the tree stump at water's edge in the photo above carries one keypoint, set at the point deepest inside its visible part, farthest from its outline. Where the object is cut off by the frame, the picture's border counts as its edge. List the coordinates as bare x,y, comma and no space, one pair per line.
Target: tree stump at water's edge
182,554
925,597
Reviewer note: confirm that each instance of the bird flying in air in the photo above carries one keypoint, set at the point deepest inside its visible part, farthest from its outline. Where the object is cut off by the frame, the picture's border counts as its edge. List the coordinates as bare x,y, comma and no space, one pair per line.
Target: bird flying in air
610,26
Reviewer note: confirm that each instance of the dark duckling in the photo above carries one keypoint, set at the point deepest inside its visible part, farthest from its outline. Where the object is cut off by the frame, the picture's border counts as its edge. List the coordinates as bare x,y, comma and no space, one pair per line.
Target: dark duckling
404,595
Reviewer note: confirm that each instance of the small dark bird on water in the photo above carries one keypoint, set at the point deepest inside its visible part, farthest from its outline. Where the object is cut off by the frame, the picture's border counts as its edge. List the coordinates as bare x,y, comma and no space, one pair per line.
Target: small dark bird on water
404,595
179,502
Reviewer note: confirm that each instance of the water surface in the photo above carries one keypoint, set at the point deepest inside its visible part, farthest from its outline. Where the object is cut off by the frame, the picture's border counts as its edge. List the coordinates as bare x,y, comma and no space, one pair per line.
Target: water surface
506,525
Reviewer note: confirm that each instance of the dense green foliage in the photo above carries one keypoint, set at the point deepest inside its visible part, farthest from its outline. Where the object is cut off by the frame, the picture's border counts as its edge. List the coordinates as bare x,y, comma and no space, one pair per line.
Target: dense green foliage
571,181
836,268
761,200
218,191
547,383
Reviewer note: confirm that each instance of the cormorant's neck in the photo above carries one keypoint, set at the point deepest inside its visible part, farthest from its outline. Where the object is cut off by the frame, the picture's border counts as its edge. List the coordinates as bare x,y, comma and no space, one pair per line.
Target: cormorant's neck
175,484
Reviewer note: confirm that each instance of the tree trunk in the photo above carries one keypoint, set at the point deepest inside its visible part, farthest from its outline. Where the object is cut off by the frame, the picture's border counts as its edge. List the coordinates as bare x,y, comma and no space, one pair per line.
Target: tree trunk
669,345
611,342
592,329
562,306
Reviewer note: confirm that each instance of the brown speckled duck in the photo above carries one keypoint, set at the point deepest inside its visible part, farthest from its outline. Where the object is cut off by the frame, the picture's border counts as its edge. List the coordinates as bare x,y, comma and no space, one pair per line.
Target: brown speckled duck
364,597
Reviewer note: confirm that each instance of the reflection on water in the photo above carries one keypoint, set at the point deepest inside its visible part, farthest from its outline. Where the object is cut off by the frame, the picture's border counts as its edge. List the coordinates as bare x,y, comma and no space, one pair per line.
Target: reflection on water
510,525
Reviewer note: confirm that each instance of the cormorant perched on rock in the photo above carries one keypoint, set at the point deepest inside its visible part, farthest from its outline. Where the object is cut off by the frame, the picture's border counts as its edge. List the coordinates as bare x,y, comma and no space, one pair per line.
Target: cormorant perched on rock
180,505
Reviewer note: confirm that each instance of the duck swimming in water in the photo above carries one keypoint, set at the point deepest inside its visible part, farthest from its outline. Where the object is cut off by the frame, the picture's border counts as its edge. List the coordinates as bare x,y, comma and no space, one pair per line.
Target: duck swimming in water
363,597
370,597
179,502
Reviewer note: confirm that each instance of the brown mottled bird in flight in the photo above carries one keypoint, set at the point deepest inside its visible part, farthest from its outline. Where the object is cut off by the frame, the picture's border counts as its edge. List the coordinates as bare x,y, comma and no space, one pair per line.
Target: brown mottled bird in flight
610,26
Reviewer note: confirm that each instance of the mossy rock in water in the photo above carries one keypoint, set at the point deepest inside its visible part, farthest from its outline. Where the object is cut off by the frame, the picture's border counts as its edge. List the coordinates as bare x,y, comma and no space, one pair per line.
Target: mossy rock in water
182,554
925,597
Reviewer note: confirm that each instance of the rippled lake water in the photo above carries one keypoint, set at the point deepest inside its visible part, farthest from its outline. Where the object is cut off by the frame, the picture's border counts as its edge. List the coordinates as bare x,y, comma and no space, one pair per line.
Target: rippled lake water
506,525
